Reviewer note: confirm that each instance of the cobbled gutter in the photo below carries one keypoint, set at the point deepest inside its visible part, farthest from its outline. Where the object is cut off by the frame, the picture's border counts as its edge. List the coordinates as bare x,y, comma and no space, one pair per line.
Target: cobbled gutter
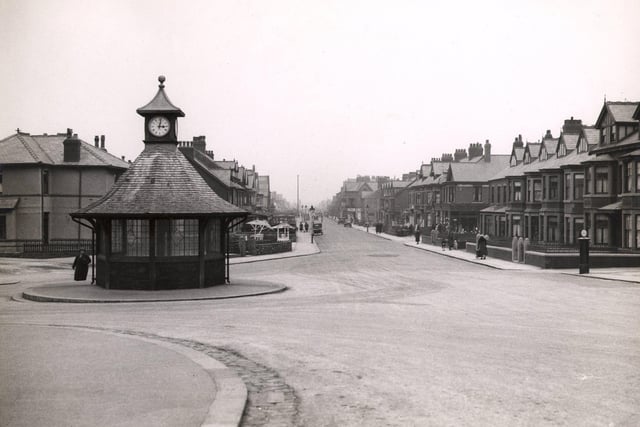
270,400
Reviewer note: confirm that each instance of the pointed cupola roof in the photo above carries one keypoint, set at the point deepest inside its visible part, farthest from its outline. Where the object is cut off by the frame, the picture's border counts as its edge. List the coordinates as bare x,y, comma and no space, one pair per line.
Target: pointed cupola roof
160,103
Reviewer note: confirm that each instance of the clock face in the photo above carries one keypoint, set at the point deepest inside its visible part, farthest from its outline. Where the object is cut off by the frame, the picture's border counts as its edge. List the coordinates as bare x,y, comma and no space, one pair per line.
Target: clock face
159,126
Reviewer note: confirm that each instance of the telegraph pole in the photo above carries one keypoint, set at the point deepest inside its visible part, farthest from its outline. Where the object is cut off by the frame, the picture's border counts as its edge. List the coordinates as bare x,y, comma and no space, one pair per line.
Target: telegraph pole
298,194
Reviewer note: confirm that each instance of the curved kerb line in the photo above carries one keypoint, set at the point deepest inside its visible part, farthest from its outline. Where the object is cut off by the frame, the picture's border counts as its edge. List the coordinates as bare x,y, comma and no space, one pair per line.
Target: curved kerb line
231,393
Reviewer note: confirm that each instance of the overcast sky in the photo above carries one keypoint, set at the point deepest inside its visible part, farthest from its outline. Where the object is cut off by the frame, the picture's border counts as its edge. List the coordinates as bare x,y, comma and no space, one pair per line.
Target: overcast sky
322,89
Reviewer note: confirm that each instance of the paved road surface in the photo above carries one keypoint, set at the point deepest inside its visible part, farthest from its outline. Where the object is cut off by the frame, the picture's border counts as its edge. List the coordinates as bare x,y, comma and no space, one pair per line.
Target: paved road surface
374,333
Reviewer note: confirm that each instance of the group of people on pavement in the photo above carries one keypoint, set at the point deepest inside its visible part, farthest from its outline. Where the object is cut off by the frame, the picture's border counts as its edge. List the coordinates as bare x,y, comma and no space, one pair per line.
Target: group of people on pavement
304,226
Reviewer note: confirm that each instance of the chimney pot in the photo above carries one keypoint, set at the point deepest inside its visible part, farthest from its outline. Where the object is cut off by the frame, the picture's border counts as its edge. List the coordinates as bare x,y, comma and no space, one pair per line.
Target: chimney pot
102,147
96,141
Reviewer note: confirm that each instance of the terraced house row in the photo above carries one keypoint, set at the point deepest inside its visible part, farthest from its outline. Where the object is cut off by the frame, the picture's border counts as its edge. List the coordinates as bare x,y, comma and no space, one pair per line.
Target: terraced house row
587,178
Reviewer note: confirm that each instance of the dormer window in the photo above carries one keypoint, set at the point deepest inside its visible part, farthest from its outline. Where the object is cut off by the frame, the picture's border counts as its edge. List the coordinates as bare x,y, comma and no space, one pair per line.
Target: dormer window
562,150
583,147
513,161
543,154
527,158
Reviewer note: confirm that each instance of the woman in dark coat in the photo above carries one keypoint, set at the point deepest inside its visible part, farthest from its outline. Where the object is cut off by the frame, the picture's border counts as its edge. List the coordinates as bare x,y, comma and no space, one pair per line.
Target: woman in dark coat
81,266
417,235
482,247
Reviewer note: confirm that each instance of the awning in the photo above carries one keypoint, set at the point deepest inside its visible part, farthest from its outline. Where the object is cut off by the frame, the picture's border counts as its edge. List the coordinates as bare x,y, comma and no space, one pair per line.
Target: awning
8,204
612,207
494,209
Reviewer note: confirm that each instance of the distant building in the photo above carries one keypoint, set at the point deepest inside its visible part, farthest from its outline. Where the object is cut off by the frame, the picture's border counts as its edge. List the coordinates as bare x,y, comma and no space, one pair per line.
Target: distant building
43,178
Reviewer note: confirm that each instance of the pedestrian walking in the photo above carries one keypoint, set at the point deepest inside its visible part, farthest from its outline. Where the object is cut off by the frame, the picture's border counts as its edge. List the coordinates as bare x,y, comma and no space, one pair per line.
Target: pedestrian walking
81,266
306,227
301,226
417,235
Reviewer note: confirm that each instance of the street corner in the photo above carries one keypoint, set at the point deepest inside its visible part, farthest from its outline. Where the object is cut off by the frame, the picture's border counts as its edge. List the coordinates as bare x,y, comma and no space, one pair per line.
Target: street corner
86,293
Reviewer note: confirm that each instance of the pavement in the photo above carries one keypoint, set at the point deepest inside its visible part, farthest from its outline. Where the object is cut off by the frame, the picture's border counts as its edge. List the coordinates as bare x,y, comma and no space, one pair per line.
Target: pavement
196,388
626,274
83,292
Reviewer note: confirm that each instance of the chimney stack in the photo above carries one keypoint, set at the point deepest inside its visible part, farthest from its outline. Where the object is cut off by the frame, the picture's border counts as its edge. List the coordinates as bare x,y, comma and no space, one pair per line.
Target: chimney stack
102,143
475,150
487,151
548,135
460,154
517,142
572,126
71,144
96,141
447,157
200,143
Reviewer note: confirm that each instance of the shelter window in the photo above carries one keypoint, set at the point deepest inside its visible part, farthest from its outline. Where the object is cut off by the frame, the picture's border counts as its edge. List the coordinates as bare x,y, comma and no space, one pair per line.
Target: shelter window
0,179
137,235
213,235
602,179
176,237
3,227
638,176
637,231
116,236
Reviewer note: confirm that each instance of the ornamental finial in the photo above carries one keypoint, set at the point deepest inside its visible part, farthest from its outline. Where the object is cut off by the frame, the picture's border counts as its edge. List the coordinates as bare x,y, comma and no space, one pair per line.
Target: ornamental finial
161,79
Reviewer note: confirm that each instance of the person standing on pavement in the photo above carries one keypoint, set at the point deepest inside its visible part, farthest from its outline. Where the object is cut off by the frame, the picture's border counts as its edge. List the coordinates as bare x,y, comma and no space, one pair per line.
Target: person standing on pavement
482,246
417,235
81,266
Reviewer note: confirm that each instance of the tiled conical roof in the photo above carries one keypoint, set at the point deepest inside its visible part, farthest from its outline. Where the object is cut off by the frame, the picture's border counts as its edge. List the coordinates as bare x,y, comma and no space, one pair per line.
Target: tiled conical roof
161,182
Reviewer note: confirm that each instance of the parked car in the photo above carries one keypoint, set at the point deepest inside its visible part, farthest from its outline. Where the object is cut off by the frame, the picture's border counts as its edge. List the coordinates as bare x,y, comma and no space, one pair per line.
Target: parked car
347,224
317,228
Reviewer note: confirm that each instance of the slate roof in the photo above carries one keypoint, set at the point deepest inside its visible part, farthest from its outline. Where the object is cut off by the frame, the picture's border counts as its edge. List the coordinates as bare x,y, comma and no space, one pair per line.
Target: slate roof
23,148
622,111
480,171
161,182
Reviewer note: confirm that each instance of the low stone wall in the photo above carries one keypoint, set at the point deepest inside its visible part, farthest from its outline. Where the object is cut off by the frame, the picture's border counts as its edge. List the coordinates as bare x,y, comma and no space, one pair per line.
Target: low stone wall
564,259
258,248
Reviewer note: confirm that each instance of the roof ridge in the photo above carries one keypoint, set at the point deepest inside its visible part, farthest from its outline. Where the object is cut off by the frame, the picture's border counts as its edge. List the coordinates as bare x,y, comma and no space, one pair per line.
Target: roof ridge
28,148
90,148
